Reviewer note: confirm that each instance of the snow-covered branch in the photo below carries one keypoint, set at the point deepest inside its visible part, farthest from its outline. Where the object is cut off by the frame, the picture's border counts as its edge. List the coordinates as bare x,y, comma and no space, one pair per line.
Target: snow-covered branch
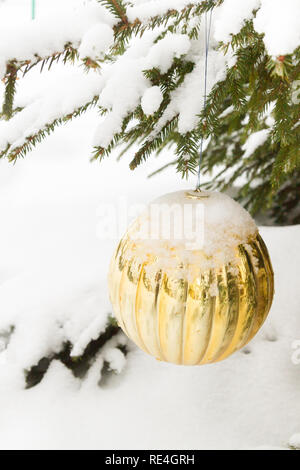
150,85
29,42
72,95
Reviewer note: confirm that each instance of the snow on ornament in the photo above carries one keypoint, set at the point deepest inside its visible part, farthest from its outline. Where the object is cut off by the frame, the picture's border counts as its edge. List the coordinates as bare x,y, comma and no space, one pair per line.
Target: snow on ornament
191,282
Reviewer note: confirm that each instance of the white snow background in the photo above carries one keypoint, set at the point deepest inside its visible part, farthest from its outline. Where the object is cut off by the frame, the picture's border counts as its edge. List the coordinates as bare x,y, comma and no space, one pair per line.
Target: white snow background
53,288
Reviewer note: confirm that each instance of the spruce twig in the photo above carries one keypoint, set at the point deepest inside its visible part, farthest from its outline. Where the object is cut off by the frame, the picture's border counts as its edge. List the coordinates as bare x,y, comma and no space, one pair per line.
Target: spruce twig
10,81
31,141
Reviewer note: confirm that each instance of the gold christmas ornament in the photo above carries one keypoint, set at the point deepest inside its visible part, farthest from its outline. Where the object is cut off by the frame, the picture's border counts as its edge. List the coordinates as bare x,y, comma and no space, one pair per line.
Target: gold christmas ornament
192,282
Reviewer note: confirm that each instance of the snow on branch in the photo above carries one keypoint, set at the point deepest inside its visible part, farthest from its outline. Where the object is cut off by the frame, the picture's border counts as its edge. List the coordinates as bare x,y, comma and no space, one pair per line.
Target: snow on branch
146,10
279,22
57,105
151,58
48,36
276,20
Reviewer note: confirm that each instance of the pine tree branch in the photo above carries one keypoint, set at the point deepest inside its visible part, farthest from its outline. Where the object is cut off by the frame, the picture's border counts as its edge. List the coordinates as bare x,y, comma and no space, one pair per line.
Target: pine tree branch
123,31
117,8
258,88
10,81
12,153
162,168
69,53
153,144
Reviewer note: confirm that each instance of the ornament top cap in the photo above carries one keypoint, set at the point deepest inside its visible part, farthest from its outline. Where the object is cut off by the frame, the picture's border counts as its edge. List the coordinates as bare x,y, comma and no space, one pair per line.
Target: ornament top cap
197,194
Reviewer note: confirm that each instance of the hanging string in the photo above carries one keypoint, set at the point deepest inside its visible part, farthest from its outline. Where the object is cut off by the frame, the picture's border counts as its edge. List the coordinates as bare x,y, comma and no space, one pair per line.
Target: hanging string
207,41
33,9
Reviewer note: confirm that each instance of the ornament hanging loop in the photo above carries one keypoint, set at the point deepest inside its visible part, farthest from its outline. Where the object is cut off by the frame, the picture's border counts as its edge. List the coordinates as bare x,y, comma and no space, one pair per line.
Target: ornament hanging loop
207,42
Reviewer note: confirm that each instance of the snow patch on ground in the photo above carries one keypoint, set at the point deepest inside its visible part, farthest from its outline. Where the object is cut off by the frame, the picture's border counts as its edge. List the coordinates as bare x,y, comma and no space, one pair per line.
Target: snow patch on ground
294,441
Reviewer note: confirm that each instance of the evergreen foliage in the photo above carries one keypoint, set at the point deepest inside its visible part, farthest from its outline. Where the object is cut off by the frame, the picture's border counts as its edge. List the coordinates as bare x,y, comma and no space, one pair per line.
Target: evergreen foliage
259,92
79,366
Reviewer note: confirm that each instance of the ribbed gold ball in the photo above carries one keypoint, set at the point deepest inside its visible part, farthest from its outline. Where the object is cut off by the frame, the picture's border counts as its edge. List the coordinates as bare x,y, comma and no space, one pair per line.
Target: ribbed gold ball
180,318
